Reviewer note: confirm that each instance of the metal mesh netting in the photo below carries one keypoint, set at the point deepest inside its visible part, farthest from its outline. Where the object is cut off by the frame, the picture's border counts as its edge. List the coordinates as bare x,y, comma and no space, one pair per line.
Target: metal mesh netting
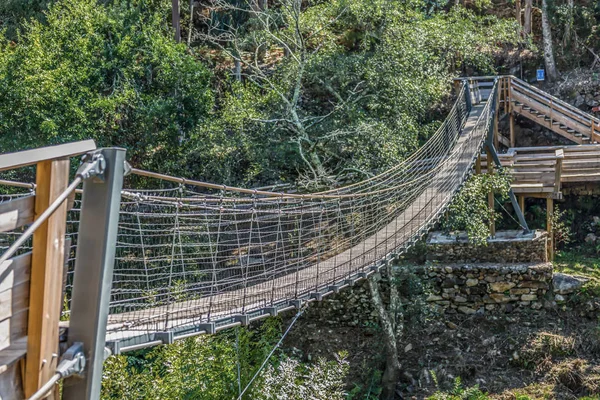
196,253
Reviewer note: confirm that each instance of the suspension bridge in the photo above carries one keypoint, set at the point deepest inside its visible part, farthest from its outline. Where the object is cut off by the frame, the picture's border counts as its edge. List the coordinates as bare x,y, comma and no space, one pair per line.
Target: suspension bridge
150,266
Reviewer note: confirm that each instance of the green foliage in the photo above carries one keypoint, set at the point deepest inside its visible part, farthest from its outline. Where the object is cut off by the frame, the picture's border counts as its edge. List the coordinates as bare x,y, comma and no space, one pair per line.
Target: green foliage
367,79
15,12
459,392
206,367
294,381
469,210
111,73
561,229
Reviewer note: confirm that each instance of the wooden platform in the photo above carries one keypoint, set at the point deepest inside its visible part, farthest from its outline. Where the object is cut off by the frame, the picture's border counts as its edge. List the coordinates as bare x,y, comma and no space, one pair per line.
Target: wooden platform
541,171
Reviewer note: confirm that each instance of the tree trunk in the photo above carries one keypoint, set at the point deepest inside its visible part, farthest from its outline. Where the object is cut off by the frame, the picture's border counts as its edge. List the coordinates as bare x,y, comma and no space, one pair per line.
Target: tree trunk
176,20
518,12
551,70
569,25
392,365
527,22
237,73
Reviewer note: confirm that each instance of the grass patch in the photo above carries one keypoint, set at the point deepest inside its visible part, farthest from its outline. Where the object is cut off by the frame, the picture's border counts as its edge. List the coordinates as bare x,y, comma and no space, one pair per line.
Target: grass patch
538,354
575,264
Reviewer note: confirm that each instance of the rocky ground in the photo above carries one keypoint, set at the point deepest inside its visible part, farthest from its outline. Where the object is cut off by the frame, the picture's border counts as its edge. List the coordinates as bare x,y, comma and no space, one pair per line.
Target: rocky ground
535,354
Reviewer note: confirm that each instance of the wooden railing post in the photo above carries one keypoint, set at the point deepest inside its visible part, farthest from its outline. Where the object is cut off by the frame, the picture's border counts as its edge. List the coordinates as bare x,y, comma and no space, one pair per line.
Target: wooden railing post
558,170
496,112
549,227
47,265
511,114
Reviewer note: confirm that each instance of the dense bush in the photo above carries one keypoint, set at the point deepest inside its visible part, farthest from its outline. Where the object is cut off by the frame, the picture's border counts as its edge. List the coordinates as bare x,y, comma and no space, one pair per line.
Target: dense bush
108,73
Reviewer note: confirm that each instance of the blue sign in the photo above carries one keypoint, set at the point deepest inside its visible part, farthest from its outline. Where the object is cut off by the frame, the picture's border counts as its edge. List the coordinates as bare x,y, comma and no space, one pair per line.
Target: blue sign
541,75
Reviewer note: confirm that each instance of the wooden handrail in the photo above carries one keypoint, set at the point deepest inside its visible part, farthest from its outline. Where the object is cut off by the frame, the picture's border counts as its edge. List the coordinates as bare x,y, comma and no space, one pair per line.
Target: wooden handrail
31,157
566,106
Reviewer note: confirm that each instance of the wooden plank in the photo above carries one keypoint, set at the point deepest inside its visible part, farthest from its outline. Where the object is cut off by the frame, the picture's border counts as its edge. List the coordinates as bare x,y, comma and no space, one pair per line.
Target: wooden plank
30,157
14,301
556,117
16,213
558,169
566,148
511,127
52,178
558,104
13,353
522,204
15,271
10,379
13,329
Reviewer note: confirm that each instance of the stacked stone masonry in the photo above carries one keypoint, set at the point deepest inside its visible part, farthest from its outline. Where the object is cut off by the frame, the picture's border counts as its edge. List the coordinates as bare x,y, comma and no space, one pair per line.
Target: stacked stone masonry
506,247
470,289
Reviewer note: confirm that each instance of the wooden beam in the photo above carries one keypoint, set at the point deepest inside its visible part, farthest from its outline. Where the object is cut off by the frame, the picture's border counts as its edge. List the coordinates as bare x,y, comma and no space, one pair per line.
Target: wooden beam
478,165
511,121
558,169
16,213
52,178
30,157
522,204
496,132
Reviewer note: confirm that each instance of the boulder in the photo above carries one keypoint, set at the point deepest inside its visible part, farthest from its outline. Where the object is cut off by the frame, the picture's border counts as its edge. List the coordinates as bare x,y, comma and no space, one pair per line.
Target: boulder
565,284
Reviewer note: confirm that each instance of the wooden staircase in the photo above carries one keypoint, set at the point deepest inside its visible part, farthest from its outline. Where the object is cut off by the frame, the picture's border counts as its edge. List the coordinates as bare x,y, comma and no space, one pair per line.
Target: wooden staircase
546,110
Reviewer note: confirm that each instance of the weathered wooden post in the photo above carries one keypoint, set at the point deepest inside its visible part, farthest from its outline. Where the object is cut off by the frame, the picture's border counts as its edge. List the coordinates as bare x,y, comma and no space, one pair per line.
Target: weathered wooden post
47,263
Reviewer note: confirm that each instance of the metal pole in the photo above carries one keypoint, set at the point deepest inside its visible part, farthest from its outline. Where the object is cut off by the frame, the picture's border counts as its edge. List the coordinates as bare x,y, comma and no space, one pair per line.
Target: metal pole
93,273
511,194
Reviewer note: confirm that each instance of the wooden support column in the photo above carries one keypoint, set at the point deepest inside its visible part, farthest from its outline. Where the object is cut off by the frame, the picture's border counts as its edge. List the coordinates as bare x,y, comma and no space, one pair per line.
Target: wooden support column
522,204
549,228
457,84
496,112
478,165
490,170
511,121
48,256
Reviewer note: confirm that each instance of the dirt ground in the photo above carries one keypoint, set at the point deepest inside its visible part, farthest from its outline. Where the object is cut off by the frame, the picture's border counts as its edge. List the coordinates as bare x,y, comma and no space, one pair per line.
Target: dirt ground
547,354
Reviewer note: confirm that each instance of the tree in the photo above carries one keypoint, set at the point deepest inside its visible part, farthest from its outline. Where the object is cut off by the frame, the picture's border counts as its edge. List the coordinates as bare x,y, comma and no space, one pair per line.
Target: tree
527,22
392,326
106,72
551,69
570,34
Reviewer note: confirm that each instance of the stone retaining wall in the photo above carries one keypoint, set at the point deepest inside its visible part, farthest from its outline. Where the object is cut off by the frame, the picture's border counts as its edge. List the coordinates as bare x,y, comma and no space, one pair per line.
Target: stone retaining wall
506,247
480,288
454,288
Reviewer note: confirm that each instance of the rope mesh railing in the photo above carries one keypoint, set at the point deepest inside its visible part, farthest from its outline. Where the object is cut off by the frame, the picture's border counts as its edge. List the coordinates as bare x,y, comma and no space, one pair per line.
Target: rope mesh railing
193,254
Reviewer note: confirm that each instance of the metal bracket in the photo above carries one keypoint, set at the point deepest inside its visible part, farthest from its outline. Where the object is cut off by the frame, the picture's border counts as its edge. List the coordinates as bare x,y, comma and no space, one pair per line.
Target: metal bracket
72,362
114,346
272,311
243,319
296,303
209,327
511,193
317,296
165,337
92,165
